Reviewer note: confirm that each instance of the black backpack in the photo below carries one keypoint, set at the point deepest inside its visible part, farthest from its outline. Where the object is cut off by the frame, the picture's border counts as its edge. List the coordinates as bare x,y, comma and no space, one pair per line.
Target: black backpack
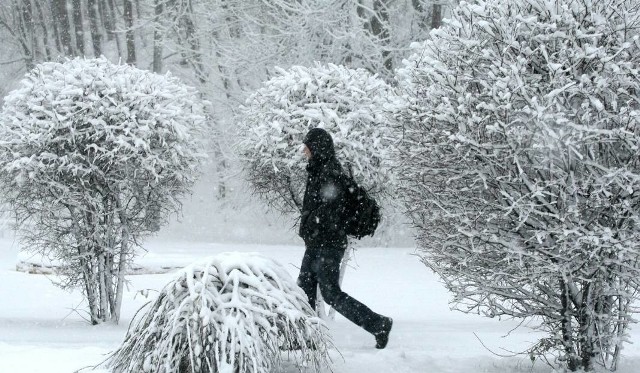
362,213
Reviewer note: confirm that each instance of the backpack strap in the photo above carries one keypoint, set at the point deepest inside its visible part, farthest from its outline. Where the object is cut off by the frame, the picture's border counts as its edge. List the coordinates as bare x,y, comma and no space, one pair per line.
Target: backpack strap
348,179
349,169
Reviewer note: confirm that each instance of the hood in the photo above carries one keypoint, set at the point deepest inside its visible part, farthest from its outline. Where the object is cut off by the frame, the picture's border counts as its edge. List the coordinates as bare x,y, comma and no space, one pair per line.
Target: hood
320,143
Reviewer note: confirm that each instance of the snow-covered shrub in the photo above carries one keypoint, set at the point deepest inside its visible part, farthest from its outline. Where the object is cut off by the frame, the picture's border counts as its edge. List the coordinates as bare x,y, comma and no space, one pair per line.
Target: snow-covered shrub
234,312
350,104
521,169
94,157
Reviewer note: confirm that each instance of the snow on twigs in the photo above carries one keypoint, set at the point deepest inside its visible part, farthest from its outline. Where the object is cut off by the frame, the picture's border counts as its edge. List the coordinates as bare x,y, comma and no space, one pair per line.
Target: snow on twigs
95,156
351,104
234,312
520,167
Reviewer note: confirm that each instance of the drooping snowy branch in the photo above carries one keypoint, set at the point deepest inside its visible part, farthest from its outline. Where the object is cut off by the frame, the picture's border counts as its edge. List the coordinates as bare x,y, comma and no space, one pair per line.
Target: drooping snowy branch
229,313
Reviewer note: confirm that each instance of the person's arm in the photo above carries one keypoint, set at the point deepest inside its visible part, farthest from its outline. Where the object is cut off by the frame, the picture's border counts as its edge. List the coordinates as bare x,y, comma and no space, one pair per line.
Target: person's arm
328,217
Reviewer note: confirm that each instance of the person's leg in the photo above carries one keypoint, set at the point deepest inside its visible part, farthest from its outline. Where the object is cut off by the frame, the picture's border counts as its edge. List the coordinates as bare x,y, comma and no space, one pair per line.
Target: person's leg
307,279
328,278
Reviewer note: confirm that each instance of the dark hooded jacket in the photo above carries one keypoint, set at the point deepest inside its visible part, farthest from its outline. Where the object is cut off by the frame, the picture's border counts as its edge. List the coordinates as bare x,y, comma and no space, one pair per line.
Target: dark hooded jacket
322,222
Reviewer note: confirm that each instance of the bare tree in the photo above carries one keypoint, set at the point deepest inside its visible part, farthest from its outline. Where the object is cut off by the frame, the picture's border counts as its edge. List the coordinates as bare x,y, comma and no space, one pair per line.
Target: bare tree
42,29
27,27
62,24
104,9
436,17
78,27
48,49
17,20
158,9
130,36
192,37
433,20
380,28
95,26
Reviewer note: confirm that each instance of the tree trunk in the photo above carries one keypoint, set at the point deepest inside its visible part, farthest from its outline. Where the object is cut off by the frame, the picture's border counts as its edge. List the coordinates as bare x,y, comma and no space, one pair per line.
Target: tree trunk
104,281
110,243
436,16
104,8
380,28
84,257
138,14
56,31
234,33
89,277
78,26
61,18
121,270
418,6
621,327
108,266
348,8
567,326
95,251
45,32
124,252
130,36
587,343
20,35
94,26
91,295
157,37
112,15
29,30
221,168
195,56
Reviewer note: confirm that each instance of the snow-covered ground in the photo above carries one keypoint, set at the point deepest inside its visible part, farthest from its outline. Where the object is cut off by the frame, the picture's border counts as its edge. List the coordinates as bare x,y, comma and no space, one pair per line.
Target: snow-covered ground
42,328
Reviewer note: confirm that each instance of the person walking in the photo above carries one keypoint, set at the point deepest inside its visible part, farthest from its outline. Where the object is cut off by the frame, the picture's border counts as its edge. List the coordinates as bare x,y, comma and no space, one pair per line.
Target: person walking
322,227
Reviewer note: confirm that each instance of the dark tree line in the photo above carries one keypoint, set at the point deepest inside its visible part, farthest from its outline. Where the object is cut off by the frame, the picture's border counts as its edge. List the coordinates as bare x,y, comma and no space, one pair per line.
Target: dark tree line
46,29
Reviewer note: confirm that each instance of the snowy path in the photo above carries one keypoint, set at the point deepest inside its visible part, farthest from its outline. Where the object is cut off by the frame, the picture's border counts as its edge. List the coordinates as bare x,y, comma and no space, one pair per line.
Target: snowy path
40,333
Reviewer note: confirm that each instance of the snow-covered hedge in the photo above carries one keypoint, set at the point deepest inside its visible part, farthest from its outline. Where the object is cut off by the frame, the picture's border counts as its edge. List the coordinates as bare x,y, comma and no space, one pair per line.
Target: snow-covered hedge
234,312
350,104
93,157
520,166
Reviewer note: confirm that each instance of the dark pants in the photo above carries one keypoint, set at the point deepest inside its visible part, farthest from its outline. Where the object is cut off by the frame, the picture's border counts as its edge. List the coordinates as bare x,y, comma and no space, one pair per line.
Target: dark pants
322,267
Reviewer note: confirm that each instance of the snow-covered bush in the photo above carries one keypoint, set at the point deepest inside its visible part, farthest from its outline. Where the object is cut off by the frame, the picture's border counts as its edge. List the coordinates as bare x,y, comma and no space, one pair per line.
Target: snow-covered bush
234,312
94,157
521,170
350,104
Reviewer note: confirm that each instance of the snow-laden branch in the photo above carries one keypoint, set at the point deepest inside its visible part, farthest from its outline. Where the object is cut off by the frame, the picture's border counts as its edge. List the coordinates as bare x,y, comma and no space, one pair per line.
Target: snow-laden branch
352,105
95,156
229,313
520,166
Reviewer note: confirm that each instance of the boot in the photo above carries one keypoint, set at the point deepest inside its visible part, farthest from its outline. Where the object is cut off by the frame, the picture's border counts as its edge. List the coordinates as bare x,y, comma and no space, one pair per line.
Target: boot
382,336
